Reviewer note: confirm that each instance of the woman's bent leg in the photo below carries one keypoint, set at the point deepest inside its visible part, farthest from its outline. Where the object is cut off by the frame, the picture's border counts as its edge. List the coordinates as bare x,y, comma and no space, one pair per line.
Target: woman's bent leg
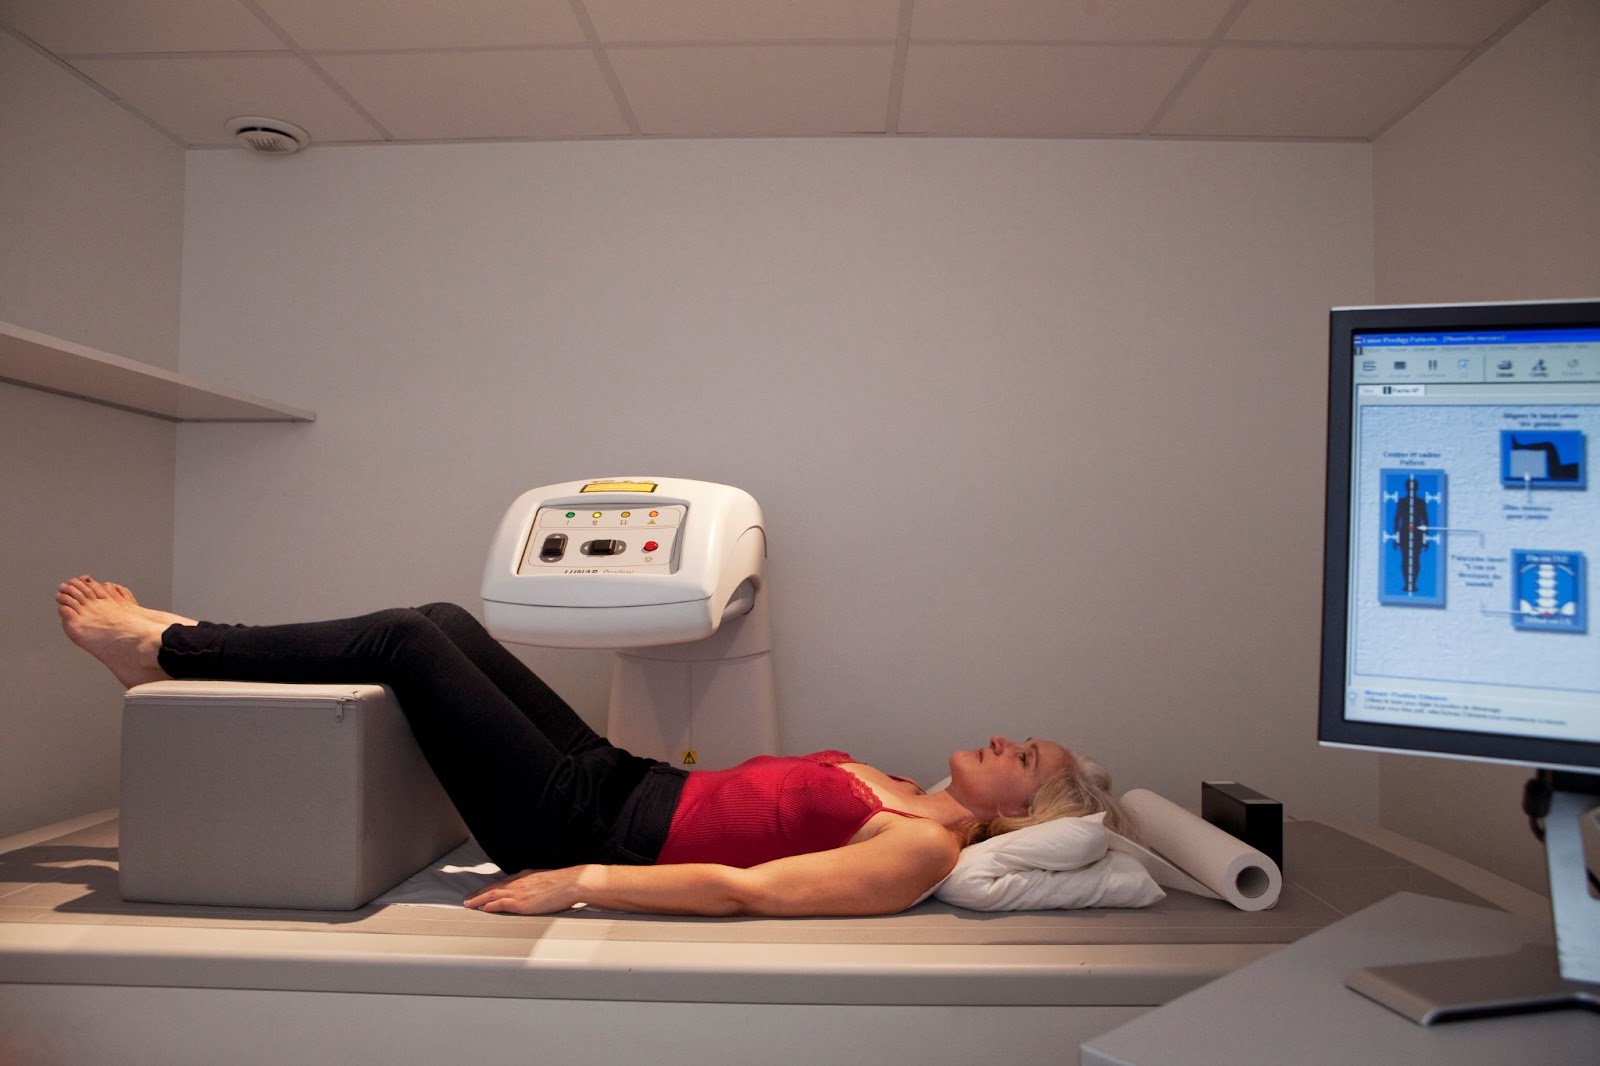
642,825
554,717
531,799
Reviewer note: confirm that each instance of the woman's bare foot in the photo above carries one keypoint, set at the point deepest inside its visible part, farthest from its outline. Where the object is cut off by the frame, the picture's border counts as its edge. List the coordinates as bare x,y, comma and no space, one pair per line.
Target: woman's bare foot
121,635
123,594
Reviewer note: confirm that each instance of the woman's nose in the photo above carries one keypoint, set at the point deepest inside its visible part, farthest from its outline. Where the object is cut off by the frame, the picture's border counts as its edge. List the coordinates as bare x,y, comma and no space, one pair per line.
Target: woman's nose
998,744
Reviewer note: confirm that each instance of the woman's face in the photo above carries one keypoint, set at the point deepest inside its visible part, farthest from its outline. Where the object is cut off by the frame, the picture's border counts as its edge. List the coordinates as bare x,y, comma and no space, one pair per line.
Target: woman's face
1001,777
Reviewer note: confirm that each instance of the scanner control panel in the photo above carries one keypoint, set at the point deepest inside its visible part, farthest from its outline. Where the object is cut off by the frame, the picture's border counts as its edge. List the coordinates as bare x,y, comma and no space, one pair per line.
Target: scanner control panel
605,539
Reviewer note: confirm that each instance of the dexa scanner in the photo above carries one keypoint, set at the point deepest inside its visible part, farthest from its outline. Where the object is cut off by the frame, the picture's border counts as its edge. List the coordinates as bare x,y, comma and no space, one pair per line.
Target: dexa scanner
670,572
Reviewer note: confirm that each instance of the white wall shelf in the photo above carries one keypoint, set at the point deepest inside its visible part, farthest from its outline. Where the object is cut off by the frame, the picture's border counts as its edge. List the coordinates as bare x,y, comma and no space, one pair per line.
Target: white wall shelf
38,361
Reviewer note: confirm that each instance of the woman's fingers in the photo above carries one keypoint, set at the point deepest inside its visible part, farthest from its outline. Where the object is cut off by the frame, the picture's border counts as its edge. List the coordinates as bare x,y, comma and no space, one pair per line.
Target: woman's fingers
530,892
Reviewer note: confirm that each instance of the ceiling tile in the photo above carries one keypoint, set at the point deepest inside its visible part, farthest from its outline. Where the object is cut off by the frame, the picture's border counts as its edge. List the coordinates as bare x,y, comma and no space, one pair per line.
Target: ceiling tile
742,20
1053,20
194,96
1463,22
375,25
542,93
77,27
770,90
1283,92
1037,90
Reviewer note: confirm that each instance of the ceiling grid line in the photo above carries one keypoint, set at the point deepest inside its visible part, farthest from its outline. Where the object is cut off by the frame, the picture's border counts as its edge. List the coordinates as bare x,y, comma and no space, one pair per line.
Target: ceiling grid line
1207,49
316,68
608,70
897,72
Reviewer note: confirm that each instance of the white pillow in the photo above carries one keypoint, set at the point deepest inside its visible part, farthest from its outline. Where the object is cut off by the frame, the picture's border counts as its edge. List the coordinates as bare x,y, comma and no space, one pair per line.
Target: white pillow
1062,863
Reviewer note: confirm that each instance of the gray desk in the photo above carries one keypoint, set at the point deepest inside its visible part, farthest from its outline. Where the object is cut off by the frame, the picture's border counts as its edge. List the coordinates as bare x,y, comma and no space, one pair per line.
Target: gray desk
1292,1007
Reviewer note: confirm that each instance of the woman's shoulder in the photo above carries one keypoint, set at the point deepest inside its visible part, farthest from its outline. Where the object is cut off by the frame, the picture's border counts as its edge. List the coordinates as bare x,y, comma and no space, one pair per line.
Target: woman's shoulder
917,832
924,842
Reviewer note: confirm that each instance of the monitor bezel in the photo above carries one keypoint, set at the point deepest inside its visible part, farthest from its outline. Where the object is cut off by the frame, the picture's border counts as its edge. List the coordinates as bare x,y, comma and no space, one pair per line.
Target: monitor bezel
1333,728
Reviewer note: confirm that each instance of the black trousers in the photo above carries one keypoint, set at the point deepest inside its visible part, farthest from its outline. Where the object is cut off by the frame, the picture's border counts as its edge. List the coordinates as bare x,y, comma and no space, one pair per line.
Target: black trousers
537,787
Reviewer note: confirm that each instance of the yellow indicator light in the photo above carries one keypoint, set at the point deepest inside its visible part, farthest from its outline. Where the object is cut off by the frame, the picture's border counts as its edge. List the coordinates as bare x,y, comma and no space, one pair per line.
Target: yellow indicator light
619,486
595,515
627,514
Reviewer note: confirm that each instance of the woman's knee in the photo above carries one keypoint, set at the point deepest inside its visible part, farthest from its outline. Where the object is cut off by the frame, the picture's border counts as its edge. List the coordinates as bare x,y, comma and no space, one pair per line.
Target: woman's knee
401,629
457,623
445,615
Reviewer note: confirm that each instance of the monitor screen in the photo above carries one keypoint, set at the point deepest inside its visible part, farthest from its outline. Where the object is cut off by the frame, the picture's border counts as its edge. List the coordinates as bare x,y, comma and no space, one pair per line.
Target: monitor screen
1463,533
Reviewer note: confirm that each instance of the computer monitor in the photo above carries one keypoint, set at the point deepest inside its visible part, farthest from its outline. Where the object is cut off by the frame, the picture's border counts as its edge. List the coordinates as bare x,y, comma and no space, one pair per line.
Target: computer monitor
1462,543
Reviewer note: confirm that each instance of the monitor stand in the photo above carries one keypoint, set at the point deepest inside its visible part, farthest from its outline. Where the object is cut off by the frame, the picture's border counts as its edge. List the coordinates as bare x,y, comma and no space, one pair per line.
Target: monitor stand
1534,978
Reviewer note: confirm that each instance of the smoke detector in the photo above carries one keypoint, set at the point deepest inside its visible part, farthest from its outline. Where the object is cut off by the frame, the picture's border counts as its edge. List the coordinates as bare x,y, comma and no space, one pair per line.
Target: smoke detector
268,136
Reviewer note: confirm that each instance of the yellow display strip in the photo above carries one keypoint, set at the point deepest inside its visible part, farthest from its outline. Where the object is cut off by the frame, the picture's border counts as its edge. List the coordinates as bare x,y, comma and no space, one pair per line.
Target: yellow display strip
619,486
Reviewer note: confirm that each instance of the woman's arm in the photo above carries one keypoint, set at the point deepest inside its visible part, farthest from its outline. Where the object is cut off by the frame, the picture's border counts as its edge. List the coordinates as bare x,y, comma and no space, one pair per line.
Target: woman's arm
880,875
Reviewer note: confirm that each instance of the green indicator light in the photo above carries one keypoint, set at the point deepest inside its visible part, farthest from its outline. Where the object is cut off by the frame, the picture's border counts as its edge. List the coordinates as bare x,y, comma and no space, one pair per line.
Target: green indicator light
572,514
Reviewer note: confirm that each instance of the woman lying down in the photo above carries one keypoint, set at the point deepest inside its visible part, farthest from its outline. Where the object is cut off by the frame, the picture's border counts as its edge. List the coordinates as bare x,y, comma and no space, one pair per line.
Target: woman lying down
584,820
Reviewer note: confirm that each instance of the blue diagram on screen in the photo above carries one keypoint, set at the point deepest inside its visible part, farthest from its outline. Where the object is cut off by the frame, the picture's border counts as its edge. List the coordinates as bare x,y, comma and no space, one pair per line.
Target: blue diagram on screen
1542,459
1550,592
1412,562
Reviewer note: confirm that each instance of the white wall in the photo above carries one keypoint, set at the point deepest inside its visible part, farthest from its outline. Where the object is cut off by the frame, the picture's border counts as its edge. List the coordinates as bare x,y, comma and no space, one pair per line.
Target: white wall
1037,425
91,212
1491,191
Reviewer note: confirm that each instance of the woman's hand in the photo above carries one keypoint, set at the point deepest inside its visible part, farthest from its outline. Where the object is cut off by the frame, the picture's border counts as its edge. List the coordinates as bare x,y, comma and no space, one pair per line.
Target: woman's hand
530,892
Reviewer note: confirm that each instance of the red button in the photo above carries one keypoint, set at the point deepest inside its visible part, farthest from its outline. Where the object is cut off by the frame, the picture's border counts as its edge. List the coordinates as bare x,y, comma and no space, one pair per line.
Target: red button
650,545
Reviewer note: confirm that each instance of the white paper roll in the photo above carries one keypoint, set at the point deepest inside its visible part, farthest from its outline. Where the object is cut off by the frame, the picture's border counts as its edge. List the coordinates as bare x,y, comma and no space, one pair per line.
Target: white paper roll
1184,851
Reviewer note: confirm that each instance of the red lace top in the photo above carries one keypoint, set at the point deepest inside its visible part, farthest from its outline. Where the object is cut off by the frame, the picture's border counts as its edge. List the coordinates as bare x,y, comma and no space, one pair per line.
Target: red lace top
769,807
